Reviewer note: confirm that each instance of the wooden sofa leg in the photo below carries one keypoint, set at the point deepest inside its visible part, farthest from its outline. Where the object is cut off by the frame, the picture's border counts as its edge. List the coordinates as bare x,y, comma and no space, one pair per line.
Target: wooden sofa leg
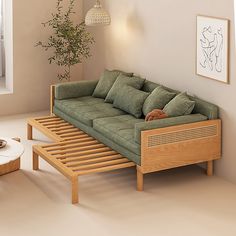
210,168
75,190
29,132
35,161
139,180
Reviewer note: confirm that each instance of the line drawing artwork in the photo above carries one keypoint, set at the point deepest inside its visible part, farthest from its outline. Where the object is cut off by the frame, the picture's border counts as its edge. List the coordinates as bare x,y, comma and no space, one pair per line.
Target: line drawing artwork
211,43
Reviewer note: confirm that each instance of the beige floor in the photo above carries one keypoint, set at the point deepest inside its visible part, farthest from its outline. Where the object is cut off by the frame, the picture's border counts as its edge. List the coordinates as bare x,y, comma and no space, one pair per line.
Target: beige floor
176,202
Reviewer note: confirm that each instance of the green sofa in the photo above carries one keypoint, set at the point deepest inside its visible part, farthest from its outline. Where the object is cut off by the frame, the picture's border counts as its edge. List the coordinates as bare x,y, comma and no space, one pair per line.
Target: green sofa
133,137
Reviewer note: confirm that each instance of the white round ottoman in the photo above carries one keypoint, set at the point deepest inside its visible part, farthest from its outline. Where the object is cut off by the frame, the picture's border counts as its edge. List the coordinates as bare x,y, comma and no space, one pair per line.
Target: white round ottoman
10,156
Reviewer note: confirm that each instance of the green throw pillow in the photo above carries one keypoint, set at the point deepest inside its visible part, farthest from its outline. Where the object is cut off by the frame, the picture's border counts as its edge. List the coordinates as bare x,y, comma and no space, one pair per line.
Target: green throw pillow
179,106
157,99
121,81
106,82
130,100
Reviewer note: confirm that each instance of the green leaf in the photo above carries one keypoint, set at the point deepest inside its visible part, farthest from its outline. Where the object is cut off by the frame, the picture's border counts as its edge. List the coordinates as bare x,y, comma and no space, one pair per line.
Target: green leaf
69,42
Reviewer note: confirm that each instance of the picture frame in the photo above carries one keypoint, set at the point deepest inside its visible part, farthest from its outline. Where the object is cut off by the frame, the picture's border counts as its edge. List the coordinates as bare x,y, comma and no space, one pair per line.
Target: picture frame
212,48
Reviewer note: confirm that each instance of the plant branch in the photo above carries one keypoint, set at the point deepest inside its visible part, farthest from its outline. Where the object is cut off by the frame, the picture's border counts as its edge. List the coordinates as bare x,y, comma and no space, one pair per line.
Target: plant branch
69,43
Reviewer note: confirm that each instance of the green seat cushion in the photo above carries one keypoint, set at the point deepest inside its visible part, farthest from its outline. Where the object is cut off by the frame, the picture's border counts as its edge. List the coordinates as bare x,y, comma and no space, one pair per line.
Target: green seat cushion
179,106
131,100
86,109
157,99
121,81
119,129
106,82
100,137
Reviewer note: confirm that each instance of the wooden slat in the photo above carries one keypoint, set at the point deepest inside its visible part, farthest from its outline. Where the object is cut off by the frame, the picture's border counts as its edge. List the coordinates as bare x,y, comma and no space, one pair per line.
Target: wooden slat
60,144
69,131
99,165
105,169
44,130
76,137
53,162
94,155
75,153
97,150
72,134
72,150
45,118
52,123
64,147
93,160
61,128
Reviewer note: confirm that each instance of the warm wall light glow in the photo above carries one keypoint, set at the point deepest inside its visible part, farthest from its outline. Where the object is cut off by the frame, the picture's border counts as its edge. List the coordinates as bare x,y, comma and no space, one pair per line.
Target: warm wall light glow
127,26
120,31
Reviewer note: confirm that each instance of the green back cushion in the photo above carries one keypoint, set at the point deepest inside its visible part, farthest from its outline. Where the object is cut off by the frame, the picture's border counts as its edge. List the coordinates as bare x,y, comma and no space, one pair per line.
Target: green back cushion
149,86
157,99
121,81
106,82
179,106
130,100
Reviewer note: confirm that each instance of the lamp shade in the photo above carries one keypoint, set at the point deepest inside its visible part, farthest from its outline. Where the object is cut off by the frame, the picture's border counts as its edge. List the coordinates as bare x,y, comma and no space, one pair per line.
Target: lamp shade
97,16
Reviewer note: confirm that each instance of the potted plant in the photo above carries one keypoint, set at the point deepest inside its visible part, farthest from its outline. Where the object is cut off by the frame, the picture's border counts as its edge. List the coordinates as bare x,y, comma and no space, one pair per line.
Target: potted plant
69,42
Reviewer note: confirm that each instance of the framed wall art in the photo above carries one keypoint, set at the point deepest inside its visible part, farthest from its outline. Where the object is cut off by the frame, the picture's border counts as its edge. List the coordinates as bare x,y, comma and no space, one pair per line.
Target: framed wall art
212,60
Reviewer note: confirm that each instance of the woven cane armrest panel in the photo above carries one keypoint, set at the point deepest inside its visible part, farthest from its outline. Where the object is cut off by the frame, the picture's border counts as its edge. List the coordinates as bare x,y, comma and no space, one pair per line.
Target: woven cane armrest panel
182,135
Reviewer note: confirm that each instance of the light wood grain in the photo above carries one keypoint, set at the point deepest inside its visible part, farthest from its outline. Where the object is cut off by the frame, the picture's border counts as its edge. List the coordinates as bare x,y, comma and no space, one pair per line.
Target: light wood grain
107,168
75,153
139,180
29,132
93,160
63,143
176,154
73,145
99,164
94,155
75,190
67,131
77,149
82,153
35,161
210,168
76,137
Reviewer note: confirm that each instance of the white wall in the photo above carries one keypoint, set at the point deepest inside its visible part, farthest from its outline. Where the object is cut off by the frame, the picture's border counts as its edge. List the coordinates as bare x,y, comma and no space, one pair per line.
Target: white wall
32,73
157,39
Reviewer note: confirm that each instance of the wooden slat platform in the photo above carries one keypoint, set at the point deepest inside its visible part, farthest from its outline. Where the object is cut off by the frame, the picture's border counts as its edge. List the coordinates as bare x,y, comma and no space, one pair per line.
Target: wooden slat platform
74,152
55,128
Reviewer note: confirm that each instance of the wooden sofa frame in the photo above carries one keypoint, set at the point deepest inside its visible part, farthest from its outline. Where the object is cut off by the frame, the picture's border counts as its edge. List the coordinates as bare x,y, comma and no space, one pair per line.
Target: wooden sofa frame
176,146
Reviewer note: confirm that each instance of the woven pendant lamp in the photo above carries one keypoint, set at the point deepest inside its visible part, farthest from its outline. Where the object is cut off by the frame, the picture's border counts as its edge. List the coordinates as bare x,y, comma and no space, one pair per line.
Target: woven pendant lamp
97,16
